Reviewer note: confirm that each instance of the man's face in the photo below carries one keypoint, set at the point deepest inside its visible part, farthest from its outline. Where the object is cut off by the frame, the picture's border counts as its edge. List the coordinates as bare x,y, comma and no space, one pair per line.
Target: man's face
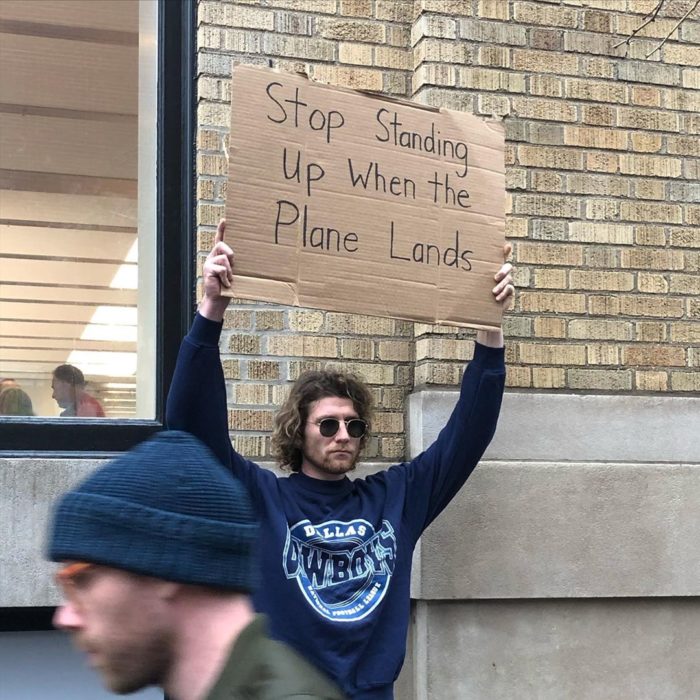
329,457
63,393
120,622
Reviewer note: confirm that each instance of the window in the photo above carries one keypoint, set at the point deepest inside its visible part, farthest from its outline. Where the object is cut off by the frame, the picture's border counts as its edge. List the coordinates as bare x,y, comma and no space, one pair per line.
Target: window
96,150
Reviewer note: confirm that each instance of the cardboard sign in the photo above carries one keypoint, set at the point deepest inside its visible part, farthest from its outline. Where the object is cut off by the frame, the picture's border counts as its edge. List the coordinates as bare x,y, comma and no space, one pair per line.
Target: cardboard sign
352,202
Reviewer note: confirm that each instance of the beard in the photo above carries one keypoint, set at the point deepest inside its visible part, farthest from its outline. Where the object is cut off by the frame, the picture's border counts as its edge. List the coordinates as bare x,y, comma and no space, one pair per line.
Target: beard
334,464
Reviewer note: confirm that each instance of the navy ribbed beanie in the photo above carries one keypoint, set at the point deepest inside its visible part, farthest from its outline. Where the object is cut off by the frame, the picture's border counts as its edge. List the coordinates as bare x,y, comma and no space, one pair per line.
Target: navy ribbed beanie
166,509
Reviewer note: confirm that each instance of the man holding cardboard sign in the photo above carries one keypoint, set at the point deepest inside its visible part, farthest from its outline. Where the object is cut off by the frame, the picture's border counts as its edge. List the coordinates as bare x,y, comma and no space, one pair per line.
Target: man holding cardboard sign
336,553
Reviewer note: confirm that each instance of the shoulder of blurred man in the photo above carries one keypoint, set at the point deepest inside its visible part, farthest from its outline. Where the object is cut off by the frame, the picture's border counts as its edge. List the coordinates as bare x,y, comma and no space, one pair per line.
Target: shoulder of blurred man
89,406
260,668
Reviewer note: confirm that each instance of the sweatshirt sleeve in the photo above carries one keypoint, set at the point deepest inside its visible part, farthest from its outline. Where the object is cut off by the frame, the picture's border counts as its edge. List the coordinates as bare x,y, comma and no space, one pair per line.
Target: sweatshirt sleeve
442,469
197,397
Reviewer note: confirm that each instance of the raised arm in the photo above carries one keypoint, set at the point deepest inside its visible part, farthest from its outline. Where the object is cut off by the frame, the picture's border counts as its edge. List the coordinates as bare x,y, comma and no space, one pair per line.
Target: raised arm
197,397
435,476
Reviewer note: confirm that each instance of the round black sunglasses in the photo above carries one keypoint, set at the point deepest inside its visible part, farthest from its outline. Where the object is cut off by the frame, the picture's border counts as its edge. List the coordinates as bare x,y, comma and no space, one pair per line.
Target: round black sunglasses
328,427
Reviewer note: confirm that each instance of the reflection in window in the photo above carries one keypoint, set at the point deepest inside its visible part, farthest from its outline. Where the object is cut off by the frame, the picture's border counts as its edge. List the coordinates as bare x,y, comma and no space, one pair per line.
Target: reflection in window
77,207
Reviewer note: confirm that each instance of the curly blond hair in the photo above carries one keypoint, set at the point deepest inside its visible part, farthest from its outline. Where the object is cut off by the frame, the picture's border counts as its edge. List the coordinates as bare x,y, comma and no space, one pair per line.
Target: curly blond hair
290,421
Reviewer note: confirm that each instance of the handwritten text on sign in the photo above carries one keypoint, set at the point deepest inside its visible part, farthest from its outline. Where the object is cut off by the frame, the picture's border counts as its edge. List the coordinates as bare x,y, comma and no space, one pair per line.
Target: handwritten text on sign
351,202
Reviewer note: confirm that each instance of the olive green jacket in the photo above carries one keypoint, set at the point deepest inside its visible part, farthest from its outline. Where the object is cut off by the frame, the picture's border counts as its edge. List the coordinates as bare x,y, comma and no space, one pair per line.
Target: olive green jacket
260,668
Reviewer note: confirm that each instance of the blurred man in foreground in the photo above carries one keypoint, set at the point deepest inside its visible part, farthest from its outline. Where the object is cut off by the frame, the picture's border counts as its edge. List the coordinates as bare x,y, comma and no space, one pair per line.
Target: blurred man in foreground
158,552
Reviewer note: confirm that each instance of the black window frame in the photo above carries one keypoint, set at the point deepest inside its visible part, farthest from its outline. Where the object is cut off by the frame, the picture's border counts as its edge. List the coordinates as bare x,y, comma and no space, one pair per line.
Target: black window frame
175,284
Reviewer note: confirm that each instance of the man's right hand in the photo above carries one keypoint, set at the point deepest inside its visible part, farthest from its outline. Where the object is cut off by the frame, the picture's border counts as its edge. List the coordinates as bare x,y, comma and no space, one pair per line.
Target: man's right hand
218,275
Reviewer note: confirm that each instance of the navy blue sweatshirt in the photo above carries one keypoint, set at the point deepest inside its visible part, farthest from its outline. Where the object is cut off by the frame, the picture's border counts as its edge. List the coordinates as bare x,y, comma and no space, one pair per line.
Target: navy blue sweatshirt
336,555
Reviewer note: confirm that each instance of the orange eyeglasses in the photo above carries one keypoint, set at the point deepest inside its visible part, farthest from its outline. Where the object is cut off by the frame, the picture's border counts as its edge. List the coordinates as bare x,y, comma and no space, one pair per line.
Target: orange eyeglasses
66,577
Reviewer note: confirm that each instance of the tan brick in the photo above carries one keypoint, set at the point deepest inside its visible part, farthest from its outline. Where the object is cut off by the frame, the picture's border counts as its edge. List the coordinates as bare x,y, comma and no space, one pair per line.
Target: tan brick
599,115
356,8
392,57
693,308
685,238
601,281
602,354
651,211
306,321
650,331
251,394
302,346
359,325
645,96
546,15
547,205
349,30
433,25
593,137
520,377
263,370
549,327
546,182
649,380
599,379
443,374
392,448
651,306
546,38
551,110
493,56
548,377
684,332
546,85
582,329
602,257
645,143
548,278
250,419
603,305
683,145
586,42
596,21
490,79
598,67
494,9
652,283
443,349
602,209
650,235
355,54
653,166
439,51
649,189
550,157
387,422
594,90
594,232
602,162
396,350
694,357
585,183
232,369
649,259
356,349
349,76
549,254
681,54
391,11
269,320
685,284
238,319
241,344
552,302
544,61
653,355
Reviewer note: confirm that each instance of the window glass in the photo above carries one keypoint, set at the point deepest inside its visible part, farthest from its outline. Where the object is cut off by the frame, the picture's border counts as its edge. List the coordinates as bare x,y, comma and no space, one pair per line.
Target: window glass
77,208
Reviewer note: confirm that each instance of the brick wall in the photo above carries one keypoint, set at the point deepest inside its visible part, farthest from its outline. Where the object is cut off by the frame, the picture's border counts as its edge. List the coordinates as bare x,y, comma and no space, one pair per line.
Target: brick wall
603,164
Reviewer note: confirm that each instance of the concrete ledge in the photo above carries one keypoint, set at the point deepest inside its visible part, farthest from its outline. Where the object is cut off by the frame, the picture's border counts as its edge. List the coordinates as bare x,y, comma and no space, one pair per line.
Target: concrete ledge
572,427
28,487
545,530
549,650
